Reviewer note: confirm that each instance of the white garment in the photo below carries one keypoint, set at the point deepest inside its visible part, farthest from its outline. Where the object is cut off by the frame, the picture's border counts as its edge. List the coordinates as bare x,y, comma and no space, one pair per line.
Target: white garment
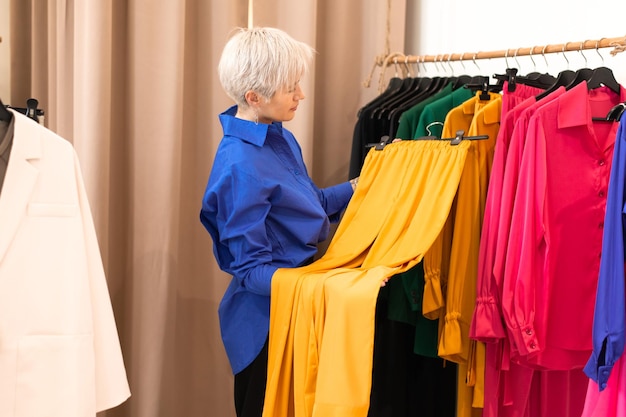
59,349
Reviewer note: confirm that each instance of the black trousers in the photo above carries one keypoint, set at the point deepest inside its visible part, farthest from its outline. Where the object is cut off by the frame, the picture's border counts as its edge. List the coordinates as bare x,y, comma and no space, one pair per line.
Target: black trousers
250,387
405,384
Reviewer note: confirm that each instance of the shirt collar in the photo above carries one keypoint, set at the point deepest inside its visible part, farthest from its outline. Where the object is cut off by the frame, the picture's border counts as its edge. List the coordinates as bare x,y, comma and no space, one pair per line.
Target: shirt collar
470,106
246,130
492,111
574,107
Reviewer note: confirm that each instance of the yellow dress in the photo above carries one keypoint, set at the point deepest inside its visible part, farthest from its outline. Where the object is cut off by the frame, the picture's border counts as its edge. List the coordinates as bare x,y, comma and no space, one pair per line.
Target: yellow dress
460,298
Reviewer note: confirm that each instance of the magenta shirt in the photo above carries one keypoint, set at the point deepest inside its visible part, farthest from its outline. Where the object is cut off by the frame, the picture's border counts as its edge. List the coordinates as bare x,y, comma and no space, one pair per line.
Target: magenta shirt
487,319
506,199
555,238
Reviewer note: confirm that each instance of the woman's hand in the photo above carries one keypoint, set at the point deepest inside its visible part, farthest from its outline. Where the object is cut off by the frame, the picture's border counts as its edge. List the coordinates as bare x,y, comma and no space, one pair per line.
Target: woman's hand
354,182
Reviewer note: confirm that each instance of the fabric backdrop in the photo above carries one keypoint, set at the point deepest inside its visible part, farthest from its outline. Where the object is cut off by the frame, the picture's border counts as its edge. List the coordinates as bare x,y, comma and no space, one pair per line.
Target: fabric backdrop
133,85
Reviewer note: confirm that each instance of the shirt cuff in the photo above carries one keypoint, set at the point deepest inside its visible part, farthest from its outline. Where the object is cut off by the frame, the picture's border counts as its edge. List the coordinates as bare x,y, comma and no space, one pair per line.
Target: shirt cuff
487,324
525,339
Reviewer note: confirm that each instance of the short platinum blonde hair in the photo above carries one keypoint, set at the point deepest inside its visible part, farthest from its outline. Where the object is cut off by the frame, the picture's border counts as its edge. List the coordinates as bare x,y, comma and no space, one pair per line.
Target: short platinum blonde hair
263,60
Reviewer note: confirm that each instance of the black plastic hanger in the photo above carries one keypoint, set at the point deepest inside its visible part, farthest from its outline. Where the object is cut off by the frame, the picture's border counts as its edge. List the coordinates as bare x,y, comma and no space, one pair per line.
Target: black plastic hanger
395,84
407,85
562,80
5,115
426,88
583,74
536,79
481,83
533,75
460,136
476,82
533,79
31,109
414,91
614,115
603,76
460,81
510,76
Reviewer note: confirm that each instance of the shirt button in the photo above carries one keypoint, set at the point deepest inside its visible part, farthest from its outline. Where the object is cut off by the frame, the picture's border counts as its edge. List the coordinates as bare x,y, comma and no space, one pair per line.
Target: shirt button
600,225
529,332
601,162
532,345
601,194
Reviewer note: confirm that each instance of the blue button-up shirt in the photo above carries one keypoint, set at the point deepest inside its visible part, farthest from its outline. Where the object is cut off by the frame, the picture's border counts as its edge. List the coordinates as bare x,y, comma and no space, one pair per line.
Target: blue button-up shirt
263,212
610,307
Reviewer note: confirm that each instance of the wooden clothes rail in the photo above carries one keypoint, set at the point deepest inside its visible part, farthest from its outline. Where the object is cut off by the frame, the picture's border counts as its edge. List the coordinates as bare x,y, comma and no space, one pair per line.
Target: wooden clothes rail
618,44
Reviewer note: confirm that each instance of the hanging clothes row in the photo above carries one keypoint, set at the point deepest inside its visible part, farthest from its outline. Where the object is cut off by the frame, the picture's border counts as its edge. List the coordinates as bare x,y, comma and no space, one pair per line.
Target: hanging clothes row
541,245
397,59
509,284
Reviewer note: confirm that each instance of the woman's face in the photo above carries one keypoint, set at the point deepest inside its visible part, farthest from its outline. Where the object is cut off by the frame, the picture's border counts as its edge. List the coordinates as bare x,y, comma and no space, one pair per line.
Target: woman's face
282,106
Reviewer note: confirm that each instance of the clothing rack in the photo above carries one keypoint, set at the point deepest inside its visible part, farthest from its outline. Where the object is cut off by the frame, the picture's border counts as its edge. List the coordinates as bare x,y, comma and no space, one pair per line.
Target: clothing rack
618,44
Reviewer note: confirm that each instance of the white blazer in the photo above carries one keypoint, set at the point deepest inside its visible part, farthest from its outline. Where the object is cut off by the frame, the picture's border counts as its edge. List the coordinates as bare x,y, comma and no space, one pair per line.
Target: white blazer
59,349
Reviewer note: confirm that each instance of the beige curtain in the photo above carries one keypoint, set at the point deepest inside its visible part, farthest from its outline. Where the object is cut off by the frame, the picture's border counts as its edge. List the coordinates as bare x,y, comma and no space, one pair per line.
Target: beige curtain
132,84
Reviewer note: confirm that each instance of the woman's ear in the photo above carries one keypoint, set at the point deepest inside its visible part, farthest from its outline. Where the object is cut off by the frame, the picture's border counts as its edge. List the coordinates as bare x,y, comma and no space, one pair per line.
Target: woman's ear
252,98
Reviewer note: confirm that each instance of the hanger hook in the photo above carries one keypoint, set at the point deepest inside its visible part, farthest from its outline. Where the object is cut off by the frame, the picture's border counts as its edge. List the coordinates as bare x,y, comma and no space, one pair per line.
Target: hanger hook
516,61
530,54
435,62
406,65
563,52
461,61
450,65
395,64
598,50
424,63
506,58
543,54
583,55
474,59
